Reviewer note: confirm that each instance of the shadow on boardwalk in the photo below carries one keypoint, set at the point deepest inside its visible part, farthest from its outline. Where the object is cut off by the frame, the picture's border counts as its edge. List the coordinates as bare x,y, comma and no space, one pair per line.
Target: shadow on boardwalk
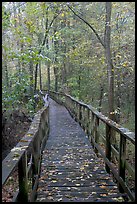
70,169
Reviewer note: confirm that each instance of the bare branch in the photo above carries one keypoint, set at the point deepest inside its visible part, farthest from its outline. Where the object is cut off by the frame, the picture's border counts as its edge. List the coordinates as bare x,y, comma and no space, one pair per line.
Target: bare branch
49,29
102,43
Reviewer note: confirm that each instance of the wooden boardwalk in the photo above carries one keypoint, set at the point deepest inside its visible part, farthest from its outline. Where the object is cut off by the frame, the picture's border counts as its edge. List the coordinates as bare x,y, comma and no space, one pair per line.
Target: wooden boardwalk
70,169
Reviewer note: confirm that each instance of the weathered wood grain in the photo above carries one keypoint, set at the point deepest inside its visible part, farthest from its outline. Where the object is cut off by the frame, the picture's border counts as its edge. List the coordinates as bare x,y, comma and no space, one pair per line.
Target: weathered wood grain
70,169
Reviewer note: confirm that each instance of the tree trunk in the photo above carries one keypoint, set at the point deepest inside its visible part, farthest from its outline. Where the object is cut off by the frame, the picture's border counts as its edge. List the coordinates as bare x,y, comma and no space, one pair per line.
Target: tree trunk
118,99
110,71
6,72
56,79
118,96
47,46
42,47
55,66
79,86
36,73
48,73
110,68
63,47
40,76
18,68
48,65
101,97
31,77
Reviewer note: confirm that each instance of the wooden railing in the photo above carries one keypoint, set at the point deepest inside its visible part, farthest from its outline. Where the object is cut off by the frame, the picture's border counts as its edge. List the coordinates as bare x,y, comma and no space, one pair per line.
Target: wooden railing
90,119
25,158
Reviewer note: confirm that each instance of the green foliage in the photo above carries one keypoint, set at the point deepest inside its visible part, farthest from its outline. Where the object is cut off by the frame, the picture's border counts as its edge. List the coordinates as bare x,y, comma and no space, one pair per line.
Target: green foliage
5,18
14,95
28,55
76,57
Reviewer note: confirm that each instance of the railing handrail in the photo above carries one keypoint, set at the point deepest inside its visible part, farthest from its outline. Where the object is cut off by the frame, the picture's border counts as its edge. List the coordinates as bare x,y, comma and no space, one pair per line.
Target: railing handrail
88,117
18,153
124,131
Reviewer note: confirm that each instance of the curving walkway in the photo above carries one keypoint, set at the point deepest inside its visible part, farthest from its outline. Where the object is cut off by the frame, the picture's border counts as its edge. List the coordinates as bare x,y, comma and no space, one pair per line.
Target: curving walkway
70,170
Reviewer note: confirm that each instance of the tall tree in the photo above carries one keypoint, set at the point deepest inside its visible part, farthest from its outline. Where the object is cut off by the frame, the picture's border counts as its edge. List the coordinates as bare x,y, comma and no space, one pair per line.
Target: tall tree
106,46
42,46
110,68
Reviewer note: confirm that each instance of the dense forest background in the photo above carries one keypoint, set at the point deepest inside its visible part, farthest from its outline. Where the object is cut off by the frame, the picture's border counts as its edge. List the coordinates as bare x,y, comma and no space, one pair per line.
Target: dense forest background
66,46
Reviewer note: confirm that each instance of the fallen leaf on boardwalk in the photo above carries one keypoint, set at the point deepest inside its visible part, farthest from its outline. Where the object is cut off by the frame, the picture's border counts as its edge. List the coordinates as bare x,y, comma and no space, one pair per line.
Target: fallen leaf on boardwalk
77,184
59,199
49,193
49,197
43,177
103,194
23,140
103,187
29,134
82,168
16,154
75,188
54,181
68,196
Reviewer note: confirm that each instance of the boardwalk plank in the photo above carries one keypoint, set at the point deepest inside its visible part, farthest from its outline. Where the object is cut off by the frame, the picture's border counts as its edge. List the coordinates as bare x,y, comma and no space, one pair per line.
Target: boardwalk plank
70,169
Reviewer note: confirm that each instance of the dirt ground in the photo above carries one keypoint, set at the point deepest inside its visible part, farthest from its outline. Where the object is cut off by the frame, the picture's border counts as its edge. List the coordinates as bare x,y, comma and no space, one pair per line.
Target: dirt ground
13,129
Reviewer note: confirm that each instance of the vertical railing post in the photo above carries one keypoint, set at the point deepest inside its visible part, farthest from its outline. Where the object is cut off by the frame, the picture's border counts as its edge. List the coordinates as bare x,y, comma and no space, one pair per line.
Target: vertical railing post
72,108
75,110
83,118
76,118
90,125
23,178
87,122
92,128
80,114
96,132
35,159
122,159
108,145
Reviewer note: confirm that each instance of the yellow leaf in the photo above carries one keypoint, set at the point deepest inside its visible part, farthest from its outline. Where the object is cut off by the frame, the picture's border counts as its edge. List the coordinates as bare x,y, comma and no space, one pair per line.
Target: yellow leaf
125,64
54,181
103,194
111,113
81,168
102,186
23,140
77,184
62,14
29,135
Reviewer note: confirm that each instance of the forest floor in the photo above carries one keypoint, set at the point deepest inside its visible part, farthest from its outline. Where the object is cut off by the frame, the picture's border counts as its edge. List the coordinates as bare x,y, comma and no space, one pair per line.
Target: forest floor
14,128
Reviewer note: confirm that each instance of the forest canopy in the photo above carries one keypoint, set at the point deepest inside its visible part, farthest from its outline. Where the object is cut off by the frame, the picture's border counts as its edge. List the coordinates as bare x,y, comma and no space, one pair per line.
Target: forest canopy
85,49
